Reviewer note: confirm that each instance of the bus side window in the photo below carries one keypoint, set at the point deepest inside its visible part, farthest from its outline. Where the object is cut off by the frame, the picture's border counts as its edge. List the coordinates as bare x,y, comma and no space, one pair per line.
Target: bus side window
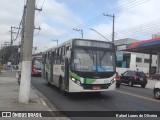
53,57
50,57
60,51
63,55
57,56
47,58
44,59
68,52
63,50
57,52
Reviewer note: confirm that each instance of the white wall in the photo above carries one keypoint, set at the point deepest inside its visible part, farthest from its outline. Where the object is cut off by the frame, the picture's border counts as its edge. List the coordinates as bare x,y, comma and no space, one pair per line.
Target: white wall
141,66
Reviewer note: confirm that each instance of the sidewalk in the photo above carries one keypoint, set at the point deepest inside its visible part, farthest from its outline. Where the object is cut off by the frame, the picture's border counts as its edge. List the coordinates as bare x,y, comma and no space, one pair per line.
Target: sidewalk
9,94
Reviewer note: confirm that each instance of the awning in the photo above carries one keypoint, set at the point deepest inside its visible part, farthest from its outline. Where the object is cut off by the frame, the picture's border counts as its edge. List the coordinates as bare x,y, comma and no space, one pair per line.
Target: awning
145,46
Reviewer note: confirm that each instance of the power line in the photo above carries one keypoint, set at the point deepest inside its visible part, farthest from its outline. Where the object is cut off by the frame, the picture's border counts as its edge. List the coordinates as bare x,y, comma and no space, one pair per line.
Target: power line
121,8
141,32
139,28
142,25
114,11
147,30
18,31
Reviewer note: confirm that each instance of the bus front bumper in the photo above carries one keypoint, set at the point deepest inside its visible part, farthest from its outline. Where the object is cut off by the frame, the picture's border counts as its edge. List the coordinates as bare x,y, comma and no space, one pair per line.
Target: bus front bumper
91,87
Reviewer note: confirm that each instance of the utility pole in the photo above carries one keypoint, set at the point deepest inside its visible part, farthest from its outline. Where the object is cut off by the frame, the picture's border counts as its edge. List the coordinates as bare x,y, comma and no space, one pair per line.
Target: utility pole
11,47
55,41
22,34
24,92
113,17
11,55
80,30
33,50
22,37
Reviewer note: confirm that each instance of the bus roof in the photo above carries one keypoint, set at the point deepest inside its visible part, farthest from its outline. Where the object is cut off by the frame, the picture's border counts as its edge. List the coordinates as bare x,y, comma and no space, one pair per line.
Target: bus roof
70,42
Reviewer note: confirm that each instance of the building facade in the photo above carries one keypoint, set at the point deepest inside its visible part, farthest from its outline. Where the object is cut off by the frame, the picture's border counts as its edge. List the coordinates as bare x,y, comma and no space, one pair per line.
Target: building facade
132,61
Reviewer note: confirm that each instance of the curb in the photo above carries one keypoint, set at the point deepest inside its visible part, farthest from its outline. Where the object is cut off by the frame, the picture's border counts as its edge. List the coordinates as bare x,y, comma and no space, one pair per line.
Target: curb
44,100
48,104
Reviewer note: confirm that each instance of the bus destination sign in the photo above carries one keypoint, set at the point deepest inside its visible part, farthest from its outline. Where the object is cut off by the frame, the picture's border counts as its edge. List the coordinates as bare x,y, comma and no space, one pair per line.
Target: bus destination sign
90,43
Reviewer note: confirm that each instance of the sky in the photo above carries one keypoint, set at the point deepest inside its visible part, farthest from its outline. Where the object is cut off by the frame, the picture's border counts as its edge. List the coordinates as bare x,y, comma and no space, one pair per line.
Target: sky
136,19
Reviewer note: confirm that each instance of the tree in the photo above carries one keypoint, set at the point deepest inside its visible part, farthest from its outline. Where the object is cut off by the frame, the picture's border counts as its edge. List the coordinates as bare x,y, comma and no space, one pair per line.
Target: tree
5,54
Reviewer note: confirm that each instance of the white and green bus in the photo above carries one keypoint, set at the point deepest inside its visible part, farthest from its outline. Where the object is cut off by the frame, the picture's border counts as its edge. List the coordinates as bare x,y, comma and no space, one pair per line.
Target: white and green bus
80,65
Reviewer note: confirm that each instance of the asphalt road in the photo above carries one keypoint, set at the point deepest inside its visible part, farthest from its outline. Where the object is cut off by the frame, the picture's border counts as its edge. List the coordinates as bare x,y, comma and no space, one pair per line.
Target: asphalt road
124,98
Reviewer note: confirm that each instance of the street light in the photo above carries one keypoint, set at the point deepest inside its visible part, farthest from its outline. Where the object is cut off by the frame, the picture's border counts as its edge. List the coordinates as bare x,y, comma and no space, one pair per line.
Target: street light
113,25
80,30
99,33
55,41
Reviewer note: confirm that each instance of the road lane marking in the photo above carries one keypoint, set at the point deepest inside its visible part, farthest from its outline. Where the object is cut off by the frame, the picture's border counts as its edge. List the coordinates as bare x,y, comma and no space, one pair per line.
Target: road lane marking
142,97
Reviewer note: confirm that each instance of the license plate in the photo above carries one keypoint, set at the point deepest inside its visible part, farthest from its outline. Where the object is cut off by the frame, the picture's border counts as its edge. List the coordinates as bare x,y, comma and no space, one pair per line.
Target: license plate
96,87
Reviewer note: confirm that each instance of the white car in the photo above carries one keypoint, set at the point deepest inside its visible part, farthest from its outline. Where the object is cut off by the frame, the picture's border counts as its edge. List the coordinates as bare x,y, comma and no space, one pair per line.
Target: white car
156,91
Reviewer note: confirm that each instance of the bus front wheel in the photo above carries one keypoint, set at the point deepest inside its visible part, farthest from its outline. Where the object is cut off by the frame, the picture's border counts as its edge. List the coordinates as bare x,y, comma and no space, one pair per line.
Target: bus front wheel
62,87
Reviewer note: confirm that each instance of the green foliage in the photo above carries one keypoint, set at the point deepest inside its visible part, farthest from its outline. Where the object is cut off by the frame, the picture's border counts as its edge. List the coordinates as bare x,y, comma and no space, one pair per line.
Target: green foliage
6,52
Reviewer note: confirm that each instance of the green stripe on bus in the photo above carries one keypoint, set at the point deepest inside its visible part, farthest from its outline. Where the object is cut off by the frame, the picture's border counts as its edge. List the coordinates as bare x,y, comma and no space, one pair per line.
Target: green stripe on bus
86,80
89,80
74,75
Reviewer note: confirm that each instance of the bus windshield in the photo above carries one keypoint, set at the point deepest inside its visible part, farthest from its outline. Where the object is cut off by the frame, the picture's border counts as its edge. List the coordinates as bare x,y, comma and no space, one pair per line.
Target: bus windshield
85,60
38,64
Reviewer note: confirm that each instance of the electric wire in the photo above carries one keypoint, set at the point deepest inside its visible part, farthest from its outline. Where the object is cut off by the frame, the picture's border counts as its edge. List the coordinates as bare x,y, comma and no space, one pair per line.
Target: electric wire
101,17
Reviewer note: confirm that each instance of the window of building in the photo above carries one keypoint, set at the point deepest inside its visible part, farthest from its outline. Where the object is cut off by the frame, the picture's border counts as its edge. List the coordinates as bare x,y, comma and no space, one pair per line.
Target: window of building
138,59
146,60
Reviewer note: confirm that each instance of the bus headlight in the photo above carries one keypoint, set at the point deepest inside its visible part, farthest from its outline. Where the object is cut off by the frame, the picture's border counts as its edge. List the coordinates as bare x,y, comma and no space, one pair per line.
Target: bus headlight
76,81
73,79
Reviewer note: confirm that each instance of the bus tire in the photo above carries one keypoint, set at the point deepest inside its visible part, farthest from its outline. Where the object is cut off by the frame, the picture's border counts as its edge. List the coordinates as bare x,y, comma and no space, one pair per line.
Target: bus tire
48,84
62,87
46,77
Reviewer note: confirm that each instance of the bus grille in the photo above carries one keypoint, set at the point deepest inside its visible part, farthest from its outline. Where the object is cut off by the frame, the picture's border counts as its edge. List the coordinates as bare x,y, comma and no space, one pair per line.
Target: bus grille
90,86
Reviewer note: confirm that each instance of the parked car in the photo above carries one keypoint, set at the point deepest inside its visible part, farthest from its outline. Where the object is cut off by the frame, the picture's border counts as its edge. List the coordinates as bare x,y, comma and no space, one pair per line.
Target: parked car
15,67
133,78
118,80
156,91
155,76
